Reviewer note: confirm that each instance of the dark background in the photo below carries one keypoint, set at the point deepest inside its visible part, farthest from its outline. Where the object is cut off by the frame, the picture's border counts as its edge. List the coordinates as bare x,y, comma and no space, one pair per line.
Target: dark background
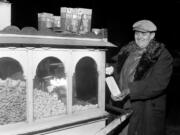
118,17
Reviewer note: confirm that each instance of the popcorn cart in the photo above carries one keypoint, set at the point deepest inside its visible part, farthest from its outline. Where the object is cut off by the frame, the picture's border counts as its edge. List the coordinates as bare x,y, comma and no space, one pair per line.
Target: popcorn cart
51,84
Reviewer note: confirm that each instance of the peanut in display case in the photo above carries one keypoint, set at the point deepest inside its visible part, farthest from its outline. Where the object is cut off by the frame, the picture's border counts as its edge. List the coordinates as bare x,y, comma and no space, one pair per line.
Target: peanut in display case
52,84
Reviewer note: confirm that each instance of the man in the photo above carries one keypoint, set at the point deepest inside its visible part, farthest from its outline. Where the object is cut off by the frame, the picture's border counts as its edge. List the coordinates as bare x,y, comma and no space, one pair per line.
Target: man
143,69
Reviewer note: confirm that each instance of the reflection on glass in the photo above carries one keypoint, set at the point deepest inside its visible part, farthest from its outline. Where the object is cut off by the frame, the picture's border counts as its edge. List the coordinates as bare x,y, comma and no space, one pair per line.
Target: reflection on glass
12,92
85,85
50,86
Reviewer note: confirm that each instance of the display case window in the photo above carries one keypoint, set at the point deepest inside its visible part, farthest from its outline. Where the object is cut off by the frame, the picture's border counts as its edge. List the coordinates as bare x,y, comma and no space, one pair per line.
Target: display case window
12,92
85,85
50,86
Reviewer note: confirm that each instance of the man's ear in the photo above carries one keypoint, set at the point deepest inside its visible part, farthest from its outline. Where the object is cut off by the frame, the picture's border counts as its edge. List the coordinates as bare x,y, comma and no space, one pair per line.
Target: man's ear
153,35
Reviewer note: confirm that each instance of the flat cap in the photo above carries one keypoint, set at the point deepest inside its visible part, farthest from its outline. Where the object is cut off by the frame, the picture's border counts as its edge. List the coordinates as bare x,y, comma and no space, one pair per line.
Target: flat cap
144,26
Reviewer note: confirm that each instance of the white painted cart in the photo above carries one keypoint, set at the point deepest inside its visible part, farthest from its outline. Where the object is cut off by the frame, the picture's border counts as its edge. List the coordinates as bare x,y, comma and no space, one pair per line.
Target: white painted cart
52,84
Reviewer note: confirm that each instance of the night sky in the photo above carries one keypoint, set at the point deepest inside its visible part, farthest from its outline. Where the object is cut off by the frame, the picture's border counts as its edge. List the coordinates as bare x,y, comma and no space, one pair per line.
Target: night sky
115,15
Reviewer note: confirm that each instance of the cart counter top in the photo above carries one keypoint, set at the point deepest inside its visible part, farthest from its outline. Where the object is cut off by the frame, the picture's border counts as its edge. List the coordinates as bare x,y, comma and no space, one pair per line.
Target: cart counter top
49,40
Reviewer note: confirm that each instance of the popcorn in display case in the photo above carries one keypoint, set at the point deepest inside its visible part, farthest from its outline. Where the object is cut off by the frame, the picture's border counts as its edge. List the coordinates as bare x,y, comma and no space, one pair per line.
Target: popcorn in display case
12,92
50,86
85,95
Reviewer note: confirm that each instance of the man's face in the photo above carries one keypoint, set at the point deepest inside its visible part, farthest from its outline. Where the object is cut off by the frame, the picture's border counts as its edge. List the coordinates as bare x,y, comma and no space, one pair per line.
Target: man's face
142,39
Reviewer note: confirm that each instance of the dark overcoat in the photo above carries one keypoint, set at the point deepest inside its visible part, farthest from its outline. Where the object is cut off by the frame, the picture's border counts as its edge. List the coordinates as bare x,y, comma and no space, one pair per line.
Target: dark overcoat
147,90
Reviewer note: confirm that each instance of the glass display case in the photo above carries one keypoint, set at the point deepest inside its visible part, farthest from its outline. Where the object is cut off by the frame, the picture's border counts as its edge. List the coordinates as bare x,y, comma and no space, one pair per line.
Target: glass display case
49,91
12,92
51,84
85,85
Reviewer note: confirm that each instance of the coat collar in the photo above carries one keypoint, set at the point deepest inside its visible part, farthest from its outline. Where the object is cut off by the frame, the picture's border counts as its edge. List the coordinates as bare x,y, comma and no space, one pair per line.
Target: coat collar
148,59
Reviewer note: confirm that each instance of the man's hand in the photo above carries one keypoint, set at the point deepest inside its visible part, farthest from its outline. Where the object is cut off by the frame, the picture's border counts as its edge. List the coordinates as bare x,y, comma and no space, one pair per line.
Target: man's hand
120,97
109,70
